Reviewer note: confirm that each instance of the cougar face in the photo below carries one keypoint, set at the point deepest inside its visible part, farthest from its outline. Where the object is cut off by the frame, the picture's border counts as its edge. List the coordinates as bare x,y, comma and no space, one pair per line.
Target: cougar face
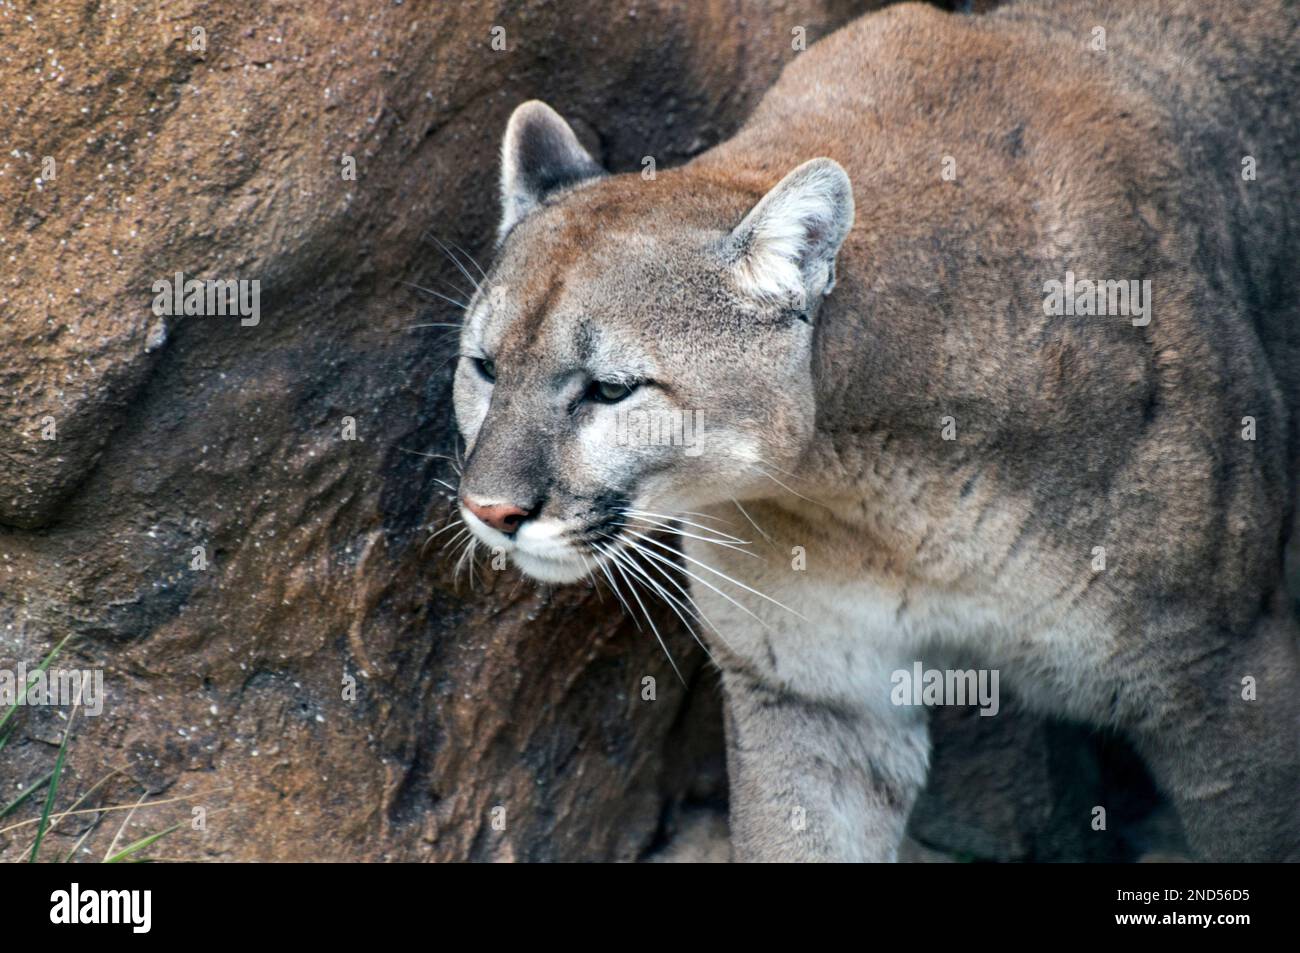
621,364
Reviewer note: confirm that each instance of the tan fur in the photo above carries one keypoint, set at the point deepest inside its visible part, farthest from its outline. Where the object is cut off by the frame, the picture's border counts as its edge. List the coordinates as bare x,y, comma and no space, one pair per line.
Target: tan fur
826,408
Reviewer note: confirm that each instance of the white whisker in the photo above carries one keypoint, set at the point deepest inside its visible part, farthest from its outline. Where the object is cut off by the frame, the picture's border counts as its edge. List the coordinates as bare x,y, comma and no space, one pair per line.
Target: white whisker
751,521
459,537
702,581
470,257
653,561
614,586
453,521
665,595
699,526
456,261
437,294
590,575
716,572
467,552
790,491
653,628
656,526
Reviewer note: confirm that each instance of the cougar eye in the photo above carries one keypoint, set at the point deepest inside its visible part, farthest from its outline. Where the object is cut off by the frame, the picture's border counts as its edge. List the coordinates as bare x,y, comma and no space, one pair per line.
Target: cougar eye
609,392
486,367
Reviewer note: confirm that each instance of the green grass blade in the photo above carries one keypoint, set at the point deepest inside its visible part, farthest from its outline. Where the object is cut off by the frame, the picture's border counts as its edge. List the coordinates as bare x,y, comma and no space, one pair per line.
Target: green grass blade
12,805
49,795
31,678
141,844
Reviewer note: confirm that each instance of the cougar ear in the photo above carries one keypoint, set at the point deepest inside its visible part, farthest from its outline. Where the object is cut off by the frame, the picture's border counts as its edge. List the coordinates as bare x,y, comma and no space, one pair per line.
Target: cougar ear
784,250
540,154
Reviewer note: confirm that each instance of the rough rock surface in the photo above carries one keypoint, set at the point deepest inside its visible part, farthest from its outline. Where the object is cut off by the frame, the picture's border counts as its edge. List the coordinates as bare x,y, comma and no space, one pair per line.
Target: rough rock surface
503,722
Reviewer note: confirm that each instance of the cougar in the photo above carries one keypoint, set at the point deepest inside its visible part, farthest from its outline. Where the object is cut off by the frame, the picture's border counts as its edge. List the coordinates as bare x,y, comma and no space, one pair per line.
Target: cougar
986,330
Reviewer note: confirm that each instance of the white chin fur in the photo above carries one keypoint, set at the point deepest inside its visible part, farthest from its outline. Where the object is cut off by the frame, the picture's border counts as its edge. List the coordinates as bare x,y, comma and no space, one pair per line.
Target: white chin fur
554,571
544,569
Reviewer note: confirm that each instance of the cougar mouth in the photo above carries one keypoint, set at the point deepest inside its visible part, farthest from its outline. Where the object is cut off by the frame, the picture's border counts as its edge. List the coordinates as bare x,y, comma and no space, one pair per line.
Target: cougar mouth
558,552
557,571
548,551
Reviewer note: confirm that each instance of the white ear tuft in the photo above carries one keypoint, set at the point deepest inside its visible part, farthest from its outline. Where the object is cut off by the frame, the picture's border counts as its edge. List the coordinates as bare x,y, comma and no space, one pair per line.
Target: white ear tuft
539,155
784,250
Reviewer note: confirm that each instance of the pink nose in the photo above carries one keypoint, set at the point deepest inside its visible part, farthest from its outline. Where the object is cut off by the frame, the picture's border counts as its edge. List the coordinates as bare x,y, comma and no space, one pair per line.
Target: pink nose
503,517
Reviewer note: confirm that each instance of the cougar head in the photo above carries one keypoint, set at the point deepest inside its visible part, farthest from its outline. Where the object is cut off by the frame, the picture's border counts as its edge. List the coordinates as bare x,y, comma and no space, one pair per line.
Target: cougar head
640,347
